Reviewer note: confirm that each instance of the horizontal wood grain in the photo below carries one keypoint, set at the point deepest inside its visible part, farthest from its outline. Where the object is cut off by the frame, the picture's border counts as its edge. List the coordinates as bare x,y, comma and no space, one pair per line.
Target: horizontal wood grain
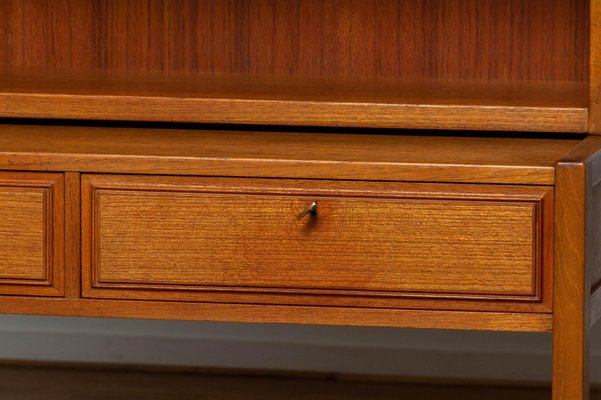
31,229
157,237
169,238
282,154
22,229
279,314
536,106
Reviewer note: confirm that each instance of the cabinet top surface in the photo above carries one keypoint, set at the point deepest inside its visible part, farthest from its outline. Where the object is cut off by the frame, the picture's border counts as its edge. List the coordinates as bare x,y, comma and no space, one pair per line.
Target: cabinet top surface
427,158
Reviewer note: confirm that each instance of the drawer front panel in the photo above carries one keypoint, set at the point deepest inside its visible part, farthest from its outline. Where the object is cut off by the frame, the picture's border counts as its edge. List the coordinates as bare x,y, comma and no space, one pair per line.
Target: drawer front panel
31,229
371,240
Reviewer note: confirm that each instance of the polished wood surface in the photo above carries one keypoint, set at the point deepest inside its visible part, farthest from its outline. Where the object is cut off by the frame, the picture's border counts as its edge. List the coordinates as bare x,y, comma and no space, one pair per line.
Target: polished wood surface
586,153
532,106
280,314
119,383
145,234
72,235
22,232
462,65
571,291
594,125
471,39
388,157
576,250
31,229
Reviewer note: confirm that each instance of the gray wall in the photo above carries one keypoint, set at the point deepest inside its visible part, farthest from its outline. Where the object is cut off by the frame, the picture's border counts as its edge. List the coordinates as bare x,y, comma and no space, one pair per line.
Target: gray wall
400,352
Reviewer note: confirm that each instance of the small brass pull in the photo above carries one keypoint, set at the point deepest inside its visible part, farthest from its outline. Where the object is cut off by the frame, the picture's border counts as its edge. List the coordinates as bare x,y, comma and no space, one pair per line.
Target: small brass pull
311,208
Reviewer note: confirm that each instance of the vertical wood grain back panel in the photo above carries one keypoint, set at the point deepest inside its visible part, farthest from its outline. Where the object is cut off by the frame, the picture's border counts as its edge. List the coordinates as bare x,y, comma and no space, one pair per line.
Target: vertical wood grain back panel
447,39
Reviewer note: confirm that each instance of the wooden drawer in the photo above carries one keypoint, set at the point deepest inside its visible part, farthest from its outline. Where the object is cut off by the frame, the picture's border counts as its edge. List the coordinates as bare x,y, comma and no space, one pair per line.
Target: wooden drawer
31,234
369,244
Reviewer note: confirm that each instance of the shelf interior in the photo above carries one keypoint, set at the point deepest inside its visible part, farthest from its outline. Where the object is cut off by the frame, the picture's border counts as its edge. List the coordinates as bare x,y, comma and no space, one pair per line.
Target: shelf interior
519,65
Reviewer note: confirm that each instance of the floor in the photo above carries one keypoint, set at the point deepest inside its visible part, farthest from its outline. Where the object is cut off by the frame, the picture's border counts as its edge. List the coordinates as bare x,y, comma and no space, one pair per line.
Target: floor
69,383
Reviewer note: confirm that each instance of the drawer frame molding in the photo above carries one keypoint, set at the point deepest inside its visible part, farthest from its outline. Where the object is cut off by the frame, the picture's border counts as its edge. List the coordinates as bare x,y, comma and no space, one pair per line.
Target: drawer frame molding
540,197
50,186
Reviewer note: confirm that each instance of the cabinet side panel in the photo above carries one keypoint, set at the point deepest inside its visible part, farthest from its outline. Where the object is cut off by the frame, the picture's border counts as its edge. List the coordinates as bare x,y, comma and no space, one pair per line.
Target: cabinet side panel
595,69
595,248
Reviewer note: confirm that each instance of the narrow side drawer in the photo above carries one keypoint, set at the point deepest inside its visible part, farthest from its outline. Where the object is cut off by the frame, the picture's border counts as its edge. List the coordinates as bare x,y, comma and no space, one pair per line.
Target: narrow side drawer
31,234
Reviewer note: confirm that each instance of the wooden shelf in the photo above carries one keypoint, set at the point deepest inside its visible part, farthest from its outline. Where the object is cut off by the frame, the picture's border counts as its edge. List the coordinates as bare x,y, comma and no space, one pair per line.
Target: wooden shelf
282,154
527,106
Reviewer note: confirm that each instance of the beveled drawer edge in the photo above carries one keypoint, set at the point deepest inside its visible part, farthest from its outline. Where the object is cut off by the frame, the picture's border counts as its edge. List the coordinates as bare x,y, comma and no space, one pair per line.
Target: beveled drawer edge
52,186
540,197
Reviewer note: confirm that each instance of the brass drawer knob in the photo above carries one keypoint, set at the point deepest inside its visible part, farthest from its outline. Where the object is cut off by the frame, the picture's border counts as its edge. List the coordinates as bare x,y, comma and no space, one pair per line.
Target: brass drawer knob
311,209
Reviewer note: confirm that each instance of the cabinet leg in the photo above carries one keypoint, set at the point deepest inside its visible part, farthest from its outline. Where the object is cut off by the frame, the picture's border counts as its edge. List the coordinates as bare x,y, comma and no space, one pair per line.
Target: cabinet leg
570,357
571,286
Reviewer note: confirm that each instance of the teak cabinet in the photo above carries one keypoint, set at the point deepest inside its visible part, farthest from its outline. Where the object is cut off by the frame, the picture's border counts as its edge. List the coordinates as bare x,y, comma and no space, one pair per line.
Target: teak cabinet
411,164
